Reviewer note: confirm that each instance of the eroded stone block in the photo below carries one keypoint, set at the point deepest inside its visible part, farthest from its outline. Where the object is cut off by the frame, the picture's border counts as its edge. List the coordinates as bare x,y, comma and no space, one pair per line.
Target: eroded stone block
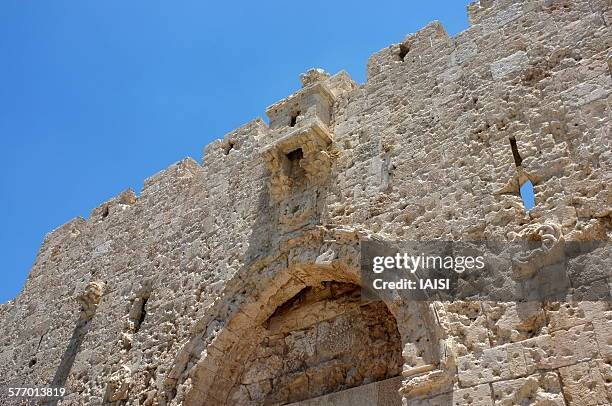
583,384
536,389
493,364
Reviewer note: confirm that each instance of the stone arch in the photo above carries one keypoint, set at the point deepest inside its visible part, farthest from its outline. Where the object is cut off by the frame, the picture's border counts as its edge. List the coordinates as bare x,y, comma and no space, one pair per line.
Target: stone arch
207,367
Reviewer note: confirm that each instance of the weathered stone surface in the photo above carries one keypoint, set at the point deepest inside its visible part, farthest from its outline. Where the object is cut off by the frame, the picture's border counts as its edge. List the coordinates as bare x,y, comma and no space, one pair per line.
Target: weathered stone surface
544,389
561,348
480,395
383,393
193,292
493,364
584,384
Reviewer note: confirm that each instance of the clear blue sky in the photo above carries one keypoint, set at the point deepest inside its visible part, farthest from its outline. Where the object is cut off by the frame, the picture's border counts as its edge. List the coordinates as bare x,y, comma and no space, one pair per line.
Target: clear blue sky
98,95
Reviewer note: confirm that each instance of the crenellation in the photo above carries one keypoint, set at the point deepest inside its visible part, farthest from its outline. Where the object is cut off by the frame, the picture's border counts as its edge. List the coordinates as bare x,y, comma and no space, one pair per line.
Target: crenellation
244,140
495,13
68,229
56,241
418,49
114,205
184,169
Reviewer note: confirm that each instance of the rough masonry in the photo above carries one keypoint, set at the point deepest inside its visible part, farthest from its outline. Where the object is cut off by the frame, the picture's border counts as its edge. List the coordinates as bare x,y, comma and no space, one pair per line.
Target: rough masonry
236,282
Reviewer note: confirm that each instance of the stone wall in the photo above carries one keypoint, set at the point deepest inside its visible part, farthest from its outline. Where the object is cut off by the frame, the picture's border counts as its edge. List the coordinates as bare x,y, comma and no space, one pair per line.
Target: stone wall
158,299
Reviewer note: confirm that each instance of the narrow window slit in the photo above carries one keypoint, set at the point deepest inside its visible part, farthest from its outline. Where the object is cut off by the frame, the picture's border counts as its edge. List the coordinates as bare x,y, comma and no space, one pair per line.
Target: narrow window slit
228,147
141,314
515,153
294,117
404,49
528,195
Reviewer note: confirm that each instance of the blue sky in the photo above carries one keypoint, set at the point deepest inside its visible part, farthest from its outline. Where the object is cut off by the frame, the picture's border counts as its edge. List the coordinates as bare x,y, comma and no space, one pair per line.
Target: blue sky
98,95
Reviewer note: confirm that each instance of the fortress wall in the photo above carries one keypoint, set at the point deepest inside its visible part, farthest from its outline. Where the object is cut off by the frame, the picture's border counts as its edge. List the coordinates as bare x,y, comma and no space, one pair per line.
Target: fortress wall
440,122
176,243
421,151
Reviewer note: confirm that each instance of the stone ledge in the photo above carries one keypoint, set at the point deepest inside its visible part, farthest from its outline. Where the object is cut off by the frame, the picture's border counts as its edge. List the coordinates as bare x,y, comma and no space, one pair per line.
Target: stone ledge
381,393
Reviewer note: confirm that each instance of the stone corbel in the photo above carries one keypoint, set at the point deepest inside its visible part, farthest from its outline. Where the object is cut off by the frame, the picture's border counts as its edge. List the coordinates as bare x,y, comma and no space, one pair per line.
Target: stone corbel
526,264
312,139
90,299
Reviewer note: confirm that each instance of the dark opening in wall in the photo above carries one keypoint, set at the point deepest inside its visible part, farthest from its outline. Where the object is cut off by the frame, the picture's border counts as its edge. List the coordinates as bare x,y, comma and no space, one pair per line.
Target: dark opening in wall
141,314
294,117
349,344
295,155
105,212
528,195
515,153
228,147
404,49
296,171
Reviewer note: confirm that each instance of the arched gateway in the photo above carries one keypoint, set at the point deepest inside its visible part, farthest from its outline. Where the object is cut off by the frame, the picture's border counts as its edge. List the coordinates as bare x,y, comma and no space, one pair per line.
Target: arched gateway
293,326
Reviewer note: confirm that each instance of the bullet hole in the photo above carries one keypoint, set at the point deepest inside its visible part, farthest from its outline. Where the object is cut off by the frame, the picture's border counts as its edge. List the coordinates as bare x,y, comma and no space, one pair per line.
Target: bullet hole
515,153
294,117
105,212
228,147
404,49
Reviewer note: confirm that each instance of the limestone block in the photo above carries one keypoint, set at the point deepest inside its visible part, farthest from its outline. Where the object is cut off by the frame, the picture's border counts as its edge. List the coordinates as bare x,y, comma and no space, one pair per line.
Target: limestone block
90,299
603,333
509,65
475,396
538,389
512,322
383,393
493,364
605,367
564,315
388,392
561,348
583,384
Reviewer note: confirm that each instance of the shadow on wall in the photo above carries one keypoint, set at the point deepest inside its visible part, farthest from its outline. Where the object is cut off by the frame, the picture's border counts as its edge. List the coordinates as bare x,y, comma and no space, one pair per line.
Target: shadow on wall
61,375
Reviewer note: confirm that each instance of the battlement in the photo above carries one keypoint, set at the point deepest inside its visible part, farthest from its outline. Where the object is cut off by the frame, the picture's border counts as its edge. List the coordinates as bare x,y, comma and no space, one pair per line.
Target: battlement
119,202
416,48
70,228
504,10
185,168
314,102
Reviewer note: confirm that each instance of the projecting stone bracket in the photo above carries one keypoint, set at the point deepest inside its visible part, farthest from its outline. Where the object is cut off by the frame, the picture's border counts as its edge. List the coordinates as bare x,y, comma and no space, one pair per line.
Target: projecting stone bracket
299,158
90,299
526,264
